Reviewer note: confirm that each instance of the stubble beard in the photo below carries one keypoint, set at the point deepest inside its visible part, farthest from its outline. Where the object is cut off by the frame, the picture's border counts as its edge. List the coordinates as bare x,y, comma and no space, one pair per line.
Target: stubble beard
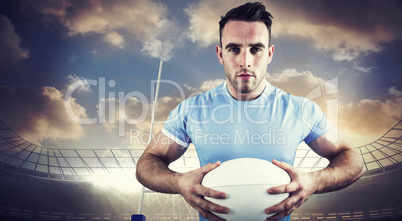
244,86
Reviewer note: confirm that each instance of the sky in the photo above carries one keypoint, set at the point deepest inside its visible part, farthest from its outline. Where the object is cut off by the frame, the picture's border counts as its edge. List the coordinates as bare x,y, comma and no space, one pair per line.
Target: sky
82,74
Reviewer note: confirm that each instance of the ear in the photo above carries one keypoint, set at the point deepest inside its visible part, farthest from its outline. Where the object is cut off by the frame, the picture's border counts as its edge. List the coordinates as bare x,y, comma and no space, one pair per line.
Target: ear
270,53
219,53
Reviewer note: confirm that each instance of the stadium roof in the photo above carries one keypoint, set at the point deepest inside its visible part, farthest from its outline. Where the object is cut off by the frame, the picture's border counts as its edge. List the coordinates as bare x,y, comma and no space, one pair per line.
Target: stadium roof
19,155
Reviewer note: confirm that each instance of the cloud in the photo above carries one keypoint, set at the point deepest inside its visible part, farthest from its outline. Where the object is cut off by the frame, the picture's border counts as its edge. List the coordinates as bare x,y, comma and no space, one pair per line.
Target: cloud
208,85
204,18
158,49
363,69
340,42
37,114
341,37
370,117
395,92
72,58
115,39
294,82
205,85
363,121
117,22
83,88
123,116
11,53
289,80
136,114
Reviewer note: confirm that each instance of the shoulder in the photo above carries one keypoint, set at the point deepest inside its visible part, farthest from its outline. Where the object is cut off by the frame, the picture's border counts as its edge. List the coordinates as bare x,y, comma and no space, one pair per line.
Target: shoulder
298,104
283,96
206,97
199,101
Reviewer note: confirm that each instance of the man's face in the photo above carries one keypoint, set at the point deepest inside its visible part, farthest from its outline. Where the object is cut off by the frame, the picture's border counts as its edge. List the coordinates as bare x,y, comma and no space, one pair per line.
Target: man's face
245,54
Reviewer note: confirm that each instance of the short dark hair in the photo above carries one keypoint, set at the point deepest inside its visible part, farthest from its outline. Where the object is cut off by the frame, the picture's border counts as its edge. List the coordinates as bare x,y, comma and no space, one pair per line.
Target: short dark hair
249,12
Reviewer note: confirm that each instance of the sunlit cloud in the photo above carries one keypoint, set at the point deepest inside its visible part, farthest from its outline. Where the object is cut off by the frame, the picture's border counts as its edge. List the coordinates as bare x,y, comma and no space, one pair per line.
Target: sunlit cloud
150,28
43,115
363,69
11,52
115,39
83,88
132,117
204,17
342,38
364,120
370,118
341,43
205,85
395,92
144,21
158,49
338,40
295,82
208,85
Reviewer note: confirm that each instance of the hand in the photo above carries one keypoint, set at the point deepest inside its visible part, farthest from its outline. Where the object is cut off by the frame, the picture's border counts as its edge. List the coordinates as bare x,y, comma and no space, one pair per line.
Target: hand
301,187
193,192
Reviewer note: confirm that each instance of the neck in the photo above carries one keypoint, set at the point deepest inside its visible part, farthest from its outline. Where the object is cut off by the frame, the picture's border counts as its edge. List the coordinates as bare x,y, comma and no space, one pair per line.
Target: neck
246,96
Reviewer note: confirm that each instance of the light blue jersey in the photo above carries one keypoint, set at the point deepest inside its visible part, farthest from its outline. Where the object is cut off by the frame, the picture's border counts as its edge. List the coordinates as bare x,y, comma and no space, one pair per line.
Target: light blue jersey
223,128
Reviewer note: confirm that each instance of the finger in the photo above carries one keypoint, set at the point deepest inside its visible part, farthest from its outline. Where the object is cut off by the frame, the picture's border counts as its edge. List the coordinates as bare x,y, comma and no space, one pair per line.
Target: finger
206,214
285,205
285,166
208,167
285,213
206,192
286,188
207,205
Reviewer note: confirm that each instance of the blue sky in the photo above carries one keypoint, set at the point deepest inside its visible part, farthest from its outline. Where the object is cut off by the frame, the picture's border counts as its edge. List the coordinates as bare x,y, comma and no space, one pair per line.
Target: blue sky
48,45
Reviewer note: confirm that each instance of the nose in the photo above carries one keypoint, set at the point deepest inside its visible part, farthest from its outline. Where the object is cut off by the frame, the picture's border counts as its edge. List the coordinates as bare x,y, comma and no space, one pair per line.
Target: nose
245,59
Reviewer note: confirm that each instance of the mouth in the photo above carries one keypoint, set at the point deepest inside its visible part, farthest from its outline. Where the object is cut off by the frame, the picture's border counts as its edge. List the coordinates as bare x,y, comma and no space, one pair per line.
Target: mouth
245,75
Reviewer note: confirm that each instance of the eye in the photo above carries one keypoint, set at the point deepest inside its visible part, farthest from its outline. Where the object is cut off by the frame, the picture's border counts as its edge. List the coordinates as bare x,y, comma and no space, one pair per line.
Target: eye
234,50
255,50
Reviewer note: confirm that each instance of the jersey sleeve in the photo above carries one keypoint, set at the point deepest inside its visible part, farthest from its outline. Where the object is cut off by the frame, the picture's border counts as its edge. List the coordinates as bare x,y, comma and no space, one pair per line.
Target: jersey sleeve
314,120
175,124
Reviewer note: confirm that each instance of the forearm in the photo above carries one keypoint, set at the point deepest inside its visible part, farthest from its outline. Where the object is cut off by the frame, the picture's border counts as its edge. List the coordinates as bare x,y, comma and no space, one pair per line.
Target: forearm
345,167
154,174
343,170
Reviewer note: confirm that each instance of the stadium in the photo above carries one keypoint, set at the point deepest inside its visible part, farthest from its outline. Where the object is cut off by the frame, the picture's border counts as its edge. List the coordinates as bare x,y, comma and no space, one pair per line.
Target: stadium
40,183
77,87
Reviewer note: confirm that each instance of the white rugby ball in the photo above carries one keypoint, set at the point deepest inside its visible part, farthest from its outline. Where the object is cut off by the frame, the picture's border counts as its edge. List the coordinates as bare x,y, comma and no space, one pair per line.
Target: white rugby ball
246,181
